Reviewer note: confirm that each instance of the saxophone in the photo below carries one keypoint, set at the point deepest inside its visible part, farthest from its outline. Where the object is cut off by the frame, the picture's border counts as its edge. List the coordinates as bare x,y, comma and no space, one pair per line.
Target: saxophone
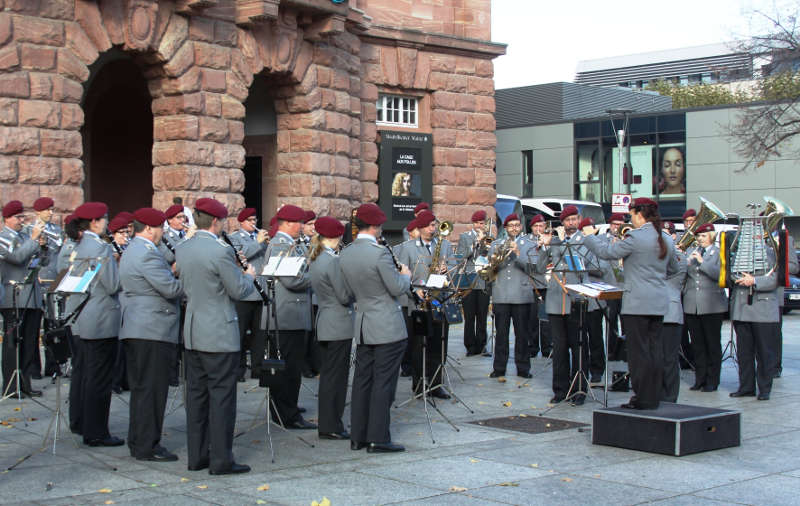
445,229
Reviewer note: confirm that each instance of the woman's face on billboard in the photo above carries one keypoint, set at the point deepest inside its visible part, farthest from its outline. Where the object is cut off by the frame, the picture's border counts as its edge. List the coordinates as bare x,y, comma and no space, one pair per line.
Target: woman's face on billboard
672,170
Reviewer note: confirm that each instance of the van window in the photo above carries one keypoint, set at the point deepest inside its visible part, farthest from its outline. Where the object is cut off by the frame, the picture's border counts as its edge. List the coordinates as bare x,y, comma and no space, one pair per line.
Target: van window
555,206
593,212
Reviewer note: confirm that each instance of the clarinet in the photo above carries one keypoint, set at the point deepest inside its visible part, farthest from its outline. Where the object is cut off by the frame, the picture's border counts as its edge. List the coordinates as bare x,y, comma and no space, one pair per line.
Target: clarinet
116,248
244,265
166,243
382,241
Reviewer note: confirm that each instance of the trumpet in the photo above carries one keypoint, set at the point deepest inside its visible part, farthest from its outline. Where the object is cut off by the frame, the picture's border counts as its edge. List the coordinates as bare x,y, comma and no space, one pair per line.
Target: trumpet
623,230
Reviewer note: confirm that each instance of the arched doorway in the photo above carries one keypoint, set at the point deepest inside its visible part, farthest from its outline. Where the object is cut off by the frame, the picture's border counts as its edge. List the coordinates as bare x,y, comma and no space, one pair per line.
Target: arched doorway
260,143
118,134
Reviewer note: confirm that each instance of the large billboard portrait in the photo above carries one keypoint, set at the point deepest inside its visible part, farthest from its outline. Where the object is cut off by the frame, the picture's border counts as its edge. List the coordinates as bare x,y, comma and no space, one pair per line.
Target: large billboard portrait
405,177
670,176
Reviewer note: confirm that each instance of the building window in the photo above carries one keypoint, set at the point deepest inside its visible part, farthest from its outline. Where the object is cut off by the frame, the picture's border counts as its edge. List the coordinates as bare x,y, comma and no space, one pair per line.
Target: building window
527,174
395,110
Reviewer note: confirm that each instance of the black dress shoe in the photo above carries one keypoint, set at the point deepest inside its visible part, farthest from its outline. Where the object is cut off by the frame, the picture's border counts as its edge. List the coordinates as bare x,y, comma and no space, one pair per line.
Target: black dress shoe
578,400
338,436
234,469
405,373
116,389
385,448
496,374
778,373
31,393
160,454
37,375
301,409
763,396
739,393
556,399
203,464
696,387
525,375
709,388
355,446
174,383
109,441
301,423
440,393
630,405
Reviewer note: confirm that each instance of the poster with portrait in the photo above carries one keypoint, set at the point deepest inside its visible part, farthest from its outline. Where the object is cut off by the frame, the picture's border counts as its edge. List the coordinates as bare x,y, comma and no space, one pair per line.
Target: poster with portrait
405,175
669,176
641,160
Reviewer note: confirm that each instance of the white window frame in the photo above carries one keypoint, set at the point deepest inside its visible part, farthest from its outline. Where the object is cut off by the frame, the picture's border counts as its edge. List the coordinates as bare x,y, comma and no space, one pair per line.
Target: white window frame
398,108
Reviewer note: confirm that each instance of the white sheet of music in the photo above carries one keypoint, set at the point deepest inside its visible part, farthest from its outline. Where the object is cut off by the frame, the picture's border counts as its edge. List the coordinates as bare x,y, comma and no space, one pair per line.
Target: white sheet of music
283,266
436,281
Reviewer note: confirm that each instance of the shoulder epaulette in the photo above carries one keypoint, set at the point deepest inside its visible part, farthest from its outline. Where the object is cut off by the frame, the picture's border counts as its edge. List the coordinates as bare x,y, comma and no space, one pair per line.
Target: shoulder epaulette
375,244
97,239
150,246
222,242
331,253
283,240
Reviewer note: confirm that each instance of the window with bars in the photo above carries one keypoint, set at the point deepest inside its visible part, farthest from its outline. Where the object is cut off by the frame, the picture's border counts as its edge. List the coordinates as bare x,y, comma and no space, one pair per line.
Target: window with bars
396,110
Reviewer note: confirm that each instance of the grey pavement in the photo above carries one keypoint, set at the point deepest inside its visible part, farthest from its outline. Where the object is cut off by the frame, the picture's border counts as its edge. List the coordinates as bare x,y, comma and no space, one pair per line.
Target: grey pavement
468,466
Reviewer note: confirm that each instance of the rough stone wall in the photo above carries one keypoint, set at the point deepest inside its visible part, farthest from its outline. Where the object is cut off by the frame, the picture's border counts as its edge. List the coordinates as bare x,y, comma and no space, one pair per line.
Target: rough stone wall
461,18
461,117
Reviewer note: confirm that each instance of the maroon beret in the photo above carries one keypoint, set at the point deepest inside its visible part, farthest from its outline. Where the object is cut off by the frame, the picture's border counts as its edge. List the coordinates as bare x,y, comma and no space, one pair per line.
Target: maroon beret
12,208
586,222
370,214
310,216
537,218
328,226
708,227
149,216
669,227
91,211
568,211
43,203
617,217
68,219
478,216
643,201
510,217
246,213
689,213
425,218
421,206
212,207
173,210
412,225
125,215
291,213
116,224
273,226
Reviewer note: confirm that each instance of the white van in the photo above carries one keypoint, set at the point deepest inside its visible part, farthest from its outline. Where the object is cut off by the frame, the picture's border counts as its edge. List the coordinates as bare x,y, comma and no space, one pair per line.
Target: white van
551,209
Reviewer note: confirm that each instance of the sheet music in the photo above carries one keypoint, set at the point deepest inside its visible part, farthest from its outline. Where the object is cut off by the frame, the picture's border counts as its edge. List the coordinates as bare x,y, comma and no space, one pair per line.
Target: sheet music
283,266
594,289
436,281
77,280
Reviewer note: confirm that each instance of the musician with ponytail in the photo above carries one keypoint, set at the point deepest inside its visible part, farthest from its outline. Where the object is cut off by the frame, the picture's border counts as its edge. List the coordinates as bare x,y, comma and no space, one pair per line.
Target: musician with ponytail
648,256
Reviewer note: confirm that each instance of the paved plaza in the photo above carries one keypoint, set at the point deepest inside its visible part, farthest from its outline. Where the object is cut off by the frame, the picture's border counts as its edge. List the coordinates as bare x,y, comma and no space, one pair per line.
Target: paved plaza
474,465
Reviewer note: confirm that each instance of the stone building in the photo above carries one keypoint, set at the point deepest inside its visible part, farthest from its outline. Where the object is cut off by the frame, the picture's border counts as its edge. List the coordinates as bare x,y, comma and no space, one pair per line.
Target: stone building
134,102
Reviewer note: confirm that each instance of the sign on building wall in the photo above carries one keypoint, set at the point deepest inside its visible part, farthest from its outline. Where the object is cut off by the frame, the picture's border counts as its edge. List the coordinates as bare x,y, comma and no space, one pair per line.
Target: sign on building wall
405,175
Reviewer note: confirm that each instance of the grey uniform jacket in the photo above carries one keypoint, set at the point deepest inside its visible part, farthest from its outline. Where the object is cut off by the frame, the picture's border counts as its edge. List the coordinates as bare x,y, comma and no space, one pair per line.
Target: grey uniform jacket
292,295
16,251
399,254
63,261
539,278
415,255
513,286
335,316
172,237
100,317
253,251
645,273
54,242
764,308
558,301
469,252
211,281
150,295
794,266
370,274
675,282
701,292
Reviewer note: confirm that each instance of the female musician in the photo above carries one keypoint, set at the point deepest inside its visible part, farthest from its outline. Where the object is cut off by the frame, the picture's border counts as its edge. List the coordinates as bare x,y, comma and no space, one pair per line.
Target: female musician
673,325
118,228
704,304
334,326
648,256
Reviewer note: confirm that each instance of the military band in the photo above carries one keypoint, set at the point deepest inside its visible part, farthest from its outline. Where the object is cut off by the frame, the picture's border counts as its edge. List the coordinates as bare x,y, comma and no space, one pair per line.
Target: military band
131,321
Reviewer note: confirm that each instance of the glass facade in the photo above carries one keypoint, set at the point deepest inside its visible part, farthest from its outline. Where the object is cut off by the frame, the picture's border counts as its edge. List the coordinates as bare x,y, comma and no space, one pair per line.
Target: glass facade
654,151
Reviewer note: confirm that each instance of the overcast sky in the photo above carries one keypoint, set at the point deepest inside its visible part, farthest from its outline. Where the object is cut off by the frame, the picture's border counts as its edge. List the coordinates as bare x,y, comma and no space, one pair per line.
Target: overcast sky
546,39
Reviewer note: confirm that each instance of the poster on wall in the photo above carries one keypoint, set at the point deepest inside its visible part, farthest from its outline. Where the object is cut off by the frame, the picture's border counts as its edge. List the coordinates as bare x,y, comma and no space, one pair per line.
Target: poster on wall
641,160
669,179
405,175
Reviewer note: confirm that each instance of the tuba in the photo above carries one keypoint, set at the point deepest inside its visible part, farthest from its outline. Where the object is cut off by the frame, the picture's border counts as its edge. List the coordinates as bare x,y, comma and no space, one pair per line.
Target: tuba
501,253
709,213
775,212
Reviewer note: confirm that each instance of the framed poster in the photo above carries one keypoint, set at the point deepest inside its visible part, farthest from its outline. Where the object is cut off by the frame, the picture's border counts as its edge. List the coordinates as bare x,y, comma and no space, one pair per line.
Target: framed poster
405,175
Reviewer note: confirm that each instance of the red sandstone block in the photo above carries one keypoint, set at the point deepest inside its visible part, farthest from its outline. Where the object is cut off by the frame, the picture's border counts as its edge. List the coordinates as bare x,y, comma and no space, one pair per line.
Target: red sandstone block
355,106
225,33
201,29
8,169
114,15
167,106
37,57
213,129
445,100
176,177
240,67
443,174
63,143
456,83
444,137
342,187
213,80
64,90
236,88
236,132
180,127
342,144
337,122
323,76
449,119
295,162
327,143
19,140
370,53
485,140
465,177
485,177
232,108
87,14
70,66
484,68
181,61
5,27
389,65
80,44
443,63
483,122
369,171
343,102
212,56
8,111
369,151
341,166
237,182
213,104
484,104
327,186
229,155
466,139
369,192
71,172
369,131
466,103
304,140
480,85
369,112
373,73
481,196
39,170
37,30
328,99
9,57
177,32
38,113
212,179
423,71
437,81
183,152
41,86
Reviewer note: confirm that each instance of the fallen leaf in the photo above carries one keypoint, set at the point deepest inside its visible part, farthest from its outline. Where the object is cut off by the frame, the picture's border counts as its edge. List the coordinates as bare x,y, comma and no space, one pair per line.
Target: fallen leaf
17,409
324,502
153,485
202,487
262,488
256,441
547,425
184,480
105,490
261,501
598,475
507,404
32,419
566,480
480,384
13,420
523,415
458,489
501,379
533,407
481,402
508,484
109,502
534,465
474,460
